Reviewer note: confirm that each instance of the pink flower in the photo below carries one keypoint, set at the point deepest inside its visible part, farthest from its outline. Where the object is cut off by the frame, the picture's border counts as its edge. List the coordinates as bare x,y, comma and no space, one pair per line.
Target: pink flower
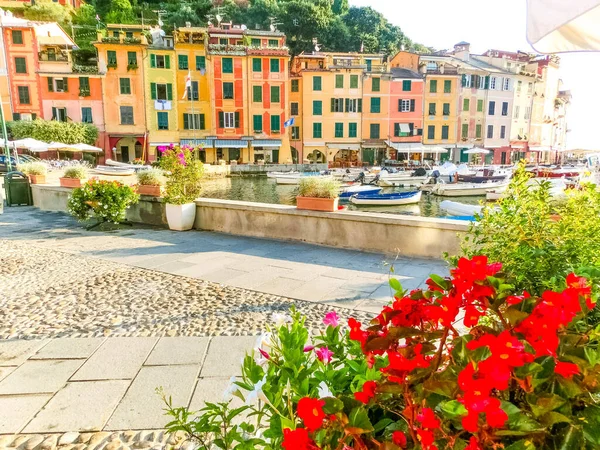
171,145
324,354
309,348
265,354
331,318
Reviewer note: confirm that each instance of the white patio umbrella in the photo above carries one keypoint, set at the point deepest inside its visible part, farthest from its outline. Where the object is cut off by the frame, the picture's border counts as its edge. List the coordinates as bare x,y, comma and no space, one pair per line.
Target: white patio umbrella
555,26
61,146
31,144
86,148
477,151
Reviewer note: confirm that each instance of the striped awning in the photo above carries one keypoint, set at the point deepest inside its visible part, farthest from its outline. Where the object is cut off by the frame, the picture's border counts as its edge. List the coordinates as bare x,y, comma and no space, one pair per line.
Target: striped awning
230,143
196,142
266,143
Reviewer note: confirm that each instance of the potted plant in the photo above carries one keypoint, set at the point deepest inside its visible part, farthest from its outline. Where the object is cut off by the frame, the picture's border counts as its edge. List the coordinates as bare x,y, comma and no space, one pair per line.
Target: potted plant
184,174
73,177
318,194
36,171
149,182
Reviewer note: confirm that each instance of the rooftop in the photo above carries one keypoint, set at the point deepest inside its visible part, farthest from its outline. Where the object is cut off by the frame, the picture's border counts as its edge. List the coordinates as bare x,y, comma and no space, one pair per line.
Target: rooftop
398,72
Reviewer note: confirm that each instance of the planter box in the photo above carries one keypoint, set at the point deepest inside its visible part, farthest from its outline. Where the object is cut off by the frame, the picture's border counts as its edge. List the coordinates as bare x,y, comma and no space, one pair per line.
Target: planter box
181,217
153,191
317,204
37,179
71,182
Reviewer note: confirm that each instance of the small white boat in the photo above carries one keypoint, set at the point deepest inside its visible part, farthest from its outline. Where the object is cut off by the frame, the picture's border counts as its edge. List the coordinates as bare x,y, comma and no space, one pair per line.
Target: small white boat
118,165
399,198
113,170
294,178
278,174
466,189
349,191
460,209
405,181
495,194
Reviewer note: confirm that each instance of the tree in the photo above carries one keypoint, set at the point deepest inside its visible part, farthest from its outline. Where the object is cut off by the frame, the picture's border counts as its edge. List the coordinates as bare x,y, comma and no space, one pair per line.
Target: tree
121,11
179,13
303,20
337,36
52,130
84,27
340,7
48,11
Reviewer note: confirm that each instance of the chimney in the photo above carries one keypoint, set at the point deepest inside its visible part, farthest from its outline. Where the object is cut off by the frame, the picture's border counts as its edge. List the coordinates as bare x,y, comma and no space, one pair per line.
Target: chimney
462,50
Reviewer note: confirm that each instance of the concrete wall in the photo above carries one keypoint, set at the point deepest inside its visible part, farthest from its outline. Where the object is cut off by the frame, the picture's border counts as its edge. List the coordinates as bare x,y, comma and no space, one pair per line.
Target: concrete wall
409,236
256,169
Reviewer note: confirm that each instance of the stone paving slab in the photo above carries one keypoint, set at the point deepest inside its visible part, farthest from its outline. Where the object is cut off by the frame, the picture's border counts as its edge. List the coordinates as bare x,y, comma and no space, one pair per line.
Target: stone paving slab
178,350
16,411
39,377
224,357
14,353
212,390
76,348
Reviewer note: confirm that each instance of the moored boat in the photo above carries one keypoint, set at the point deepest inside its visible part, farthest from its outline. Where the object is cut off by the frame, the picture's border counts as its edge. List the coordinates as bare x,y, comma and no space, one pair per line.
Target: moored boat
114,170
399,198
460,209
349,191
466,189
399,182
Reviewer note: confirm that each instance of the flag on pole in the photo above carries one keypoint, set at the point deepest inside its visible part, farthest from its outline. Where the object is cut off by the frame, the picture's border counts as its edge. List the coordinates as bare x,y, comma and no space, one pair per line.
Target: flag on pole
97,17
188,85
362,47
289,123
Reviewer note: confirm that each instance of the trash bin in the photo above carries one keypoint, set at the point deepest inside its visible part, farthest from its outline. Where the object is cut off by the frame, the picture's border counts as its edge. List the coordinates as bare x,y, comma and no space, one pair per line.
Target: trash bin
18,190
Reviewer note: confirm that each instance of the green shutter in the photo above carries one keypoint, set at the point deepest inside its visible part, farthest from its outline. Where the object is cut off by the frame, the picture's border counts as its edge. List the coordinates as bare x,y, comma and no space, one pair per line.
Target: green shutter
237,120
339,130
202,122
257,94
487,82
445,129
317,130
153,91
433,86
152,60
221,119
200,62
464,80
257,120
465,130
295,86
66,84
169,91
447,86
375,105
256,65
317,108
316,83
353,81
275,97
183,62
466,104
406,85
50,84
275,124
227,65
352,130
376,85
275,65
167,62
339,81
186,121
479,105
478,131
332,104
360,105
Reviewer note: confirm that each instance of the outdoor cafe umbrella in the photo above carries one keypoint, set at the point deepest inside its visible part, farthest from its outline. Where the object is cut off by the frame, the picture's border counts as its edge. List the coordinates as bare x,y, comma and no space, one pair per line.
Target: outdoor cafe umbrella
31,144
86,148
555,26
478,151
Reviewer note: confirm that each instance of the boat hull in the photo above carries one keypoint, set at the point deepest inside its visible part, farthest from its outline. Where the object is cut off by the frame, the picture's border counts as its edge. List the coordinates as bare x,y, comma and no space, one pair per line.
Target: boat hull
460,209
390,201
404,181
456,190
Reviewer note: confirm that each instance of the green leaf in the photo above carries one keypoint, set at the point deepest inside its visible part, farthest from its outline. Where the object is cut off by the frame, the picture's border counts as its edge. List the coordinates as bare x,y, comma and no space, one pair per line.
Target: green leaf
440,282
544,403
523,444
591,424
332,405
382,424
287,423
552,418
447,388
569,438
396,285
518,421
514,314
452,409
359,421
568,387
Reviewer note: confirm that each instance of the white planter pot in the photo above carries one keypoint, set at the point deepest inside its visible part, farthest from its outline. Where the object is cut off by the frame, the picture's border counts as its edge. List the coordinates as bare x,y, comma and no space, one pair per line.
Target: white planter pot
181,217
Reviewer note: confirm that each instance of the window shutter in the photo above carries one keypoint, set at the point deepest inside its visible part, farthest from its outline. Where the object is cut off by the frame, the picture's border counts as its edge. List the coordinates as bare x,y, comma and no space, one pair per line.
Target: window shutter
186,122
33,116
332,104
66,84
347,105
399,105
464,80
53,113
221,119
360,105
237,119
167,62
169,91
152,60
396,129
411,127
153,91
16,116
50,84
487,82
412,105
202,123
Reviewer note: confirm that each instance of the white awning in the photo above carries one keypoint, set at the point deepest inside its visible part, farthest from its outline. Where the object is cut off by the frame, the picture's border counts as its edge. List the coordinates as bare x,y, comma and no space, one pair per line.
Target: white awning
404,128
230,143
338,146
266,143
407,147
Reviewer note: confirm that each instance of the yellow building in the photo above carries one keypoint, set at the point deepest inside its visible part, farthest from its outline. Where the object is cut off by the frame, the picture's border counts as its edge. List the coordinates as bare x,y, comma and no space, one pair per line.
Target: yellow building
296,113
375,116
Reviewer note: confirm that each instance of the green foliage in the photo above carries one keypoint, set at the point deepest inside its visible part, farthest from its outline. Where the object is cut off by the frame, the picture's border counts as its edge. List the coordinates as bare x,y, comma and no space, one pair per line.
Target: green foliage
78,172
84,18
150,177
319,187
48,11
121,11
107,201
33,168
537,239
52,130
184,173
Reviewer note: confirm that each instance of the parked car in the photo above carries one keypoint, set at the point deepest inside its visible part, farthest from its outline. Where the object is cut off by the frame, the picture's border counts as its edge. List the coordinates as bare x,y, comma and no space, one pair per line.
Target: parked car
3,165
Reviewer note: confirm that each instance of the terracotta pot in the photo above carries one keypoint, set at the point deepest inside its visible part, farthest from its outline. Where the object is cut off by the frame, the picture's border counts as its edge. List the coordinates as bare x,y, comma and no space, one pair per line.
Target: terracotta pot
71,182
555,217
317,204
181,217
153,191
37,179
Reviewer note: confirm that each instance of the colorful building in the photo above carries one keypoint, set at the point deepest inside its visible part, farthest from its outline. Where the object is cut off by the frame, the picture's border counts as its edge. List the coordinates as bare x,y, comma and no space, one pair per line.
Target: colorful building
296,113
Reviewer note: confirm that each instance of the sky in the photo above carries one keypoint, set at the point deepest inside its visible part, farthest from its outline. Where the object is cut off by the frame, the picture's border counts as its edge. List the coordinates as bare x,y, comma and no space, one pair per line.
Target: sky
501,26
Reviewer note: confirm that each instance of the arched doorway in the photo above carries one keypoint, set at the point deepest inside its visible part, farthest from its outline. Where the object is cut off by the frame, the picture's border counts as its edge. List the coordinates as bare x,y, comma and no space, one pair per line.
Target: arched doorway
346,158
316,157
294,155
126,149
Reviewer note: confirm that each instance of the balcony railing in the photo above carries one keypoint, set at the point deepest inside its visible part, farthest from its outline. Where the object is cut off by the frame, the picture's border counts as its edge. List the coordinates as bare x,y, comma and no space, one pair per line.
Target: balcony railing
78,68
226,49
84,92
443,71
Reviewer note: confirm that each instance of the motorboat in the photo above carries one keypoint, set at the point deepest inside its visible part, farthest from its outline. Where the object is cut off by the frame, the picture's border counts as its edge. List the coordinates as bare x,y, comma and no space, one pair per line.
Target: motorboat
278,174
466,189
294,178
114,170
495,194
119,164
402,182
557,172
460,209
349,191
486,174
398,198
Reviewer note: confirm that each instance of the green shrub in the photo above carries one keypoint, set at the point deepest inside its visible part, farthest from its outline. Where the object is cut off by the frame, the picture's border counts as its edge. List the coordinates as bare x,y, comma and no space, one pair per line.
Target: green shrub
318,187
150,177
107,201
80,173
184,173
53,130
33,168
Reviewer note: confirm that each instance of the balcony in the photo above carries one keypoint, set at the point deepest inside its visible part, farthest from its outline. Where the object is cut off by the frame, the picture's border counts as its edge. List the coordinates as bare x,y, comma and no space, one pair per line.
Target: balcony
78,68
84,92
53,56
122,39
443,71
163,105
226,49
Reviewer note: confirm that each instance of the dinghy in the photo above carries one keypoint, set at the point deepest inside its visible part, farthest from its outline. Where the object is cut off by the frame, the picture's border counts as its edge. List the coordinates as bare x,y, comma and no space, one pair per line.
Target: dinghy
349,191
466,189
399,198
460,209
114,170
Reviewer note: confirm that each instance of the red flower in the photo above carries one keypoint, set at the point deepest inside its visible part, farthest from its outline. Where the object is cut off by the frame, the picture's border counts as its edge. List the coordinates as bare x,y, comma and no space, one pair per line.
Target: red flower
297,440
472,315
428,419
367,393
473,444
426,439
566,369
356,332
310,410
399,438
494,415
471,422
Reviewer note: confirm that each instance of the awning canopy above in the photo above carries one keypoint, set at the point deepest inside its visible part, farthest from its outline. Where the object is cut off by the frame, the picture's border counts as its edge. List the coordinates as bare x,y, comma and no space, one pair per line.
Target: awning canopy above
404,128
196,142
266,143
407,147
339,146
230,143
540,148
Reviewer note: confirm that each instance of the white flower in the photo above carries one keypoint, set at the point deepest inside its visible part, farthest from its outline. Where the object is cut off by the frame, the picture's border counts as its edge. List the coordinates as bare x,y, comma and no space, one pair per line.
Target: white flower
257,393
280,319
259,358
231,389
324,390
264,342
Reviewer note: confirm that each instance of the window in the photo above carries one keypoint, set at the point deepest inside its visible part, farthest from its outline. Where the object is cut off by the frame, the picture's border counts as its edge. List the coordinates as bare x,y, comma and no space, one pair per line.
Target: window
295,85
126,115
228,66
51,54
256,65
223,41
466,81
337,104
20,65
257,123
59,114
86,114
200,62
182,61
465,131
193,122
376,84
369,65
447,86
317,130
317,108
294,108
125,86
24,95
506,84
61,84
352,130
163,120
478,131
227,91
192,91
492,108
432,109
466,104
482,81
502,132
398,130
17,36
339,130
493,83
445,131
228,119
129,34
160,61
131,58
490,131
430,131
374,131
275,94
116,33
274,65
432,66
505,108
375,105
479,105
111,58
161,91
339,81
275,124
527,115
257,94
446,109
519,86
406,85
317,83
517,111
354,105
273,43
353,81
84,86
529,88
255,42
433,86
404,105
295,133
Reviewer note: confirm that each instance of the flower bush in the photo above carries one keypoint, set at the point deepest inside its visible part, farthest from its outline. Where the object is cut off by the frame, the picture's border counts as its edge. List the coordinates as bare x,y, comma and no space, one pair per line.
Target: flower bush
107,201
33,168
184,173
149,177
319,187
424,374
78,172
